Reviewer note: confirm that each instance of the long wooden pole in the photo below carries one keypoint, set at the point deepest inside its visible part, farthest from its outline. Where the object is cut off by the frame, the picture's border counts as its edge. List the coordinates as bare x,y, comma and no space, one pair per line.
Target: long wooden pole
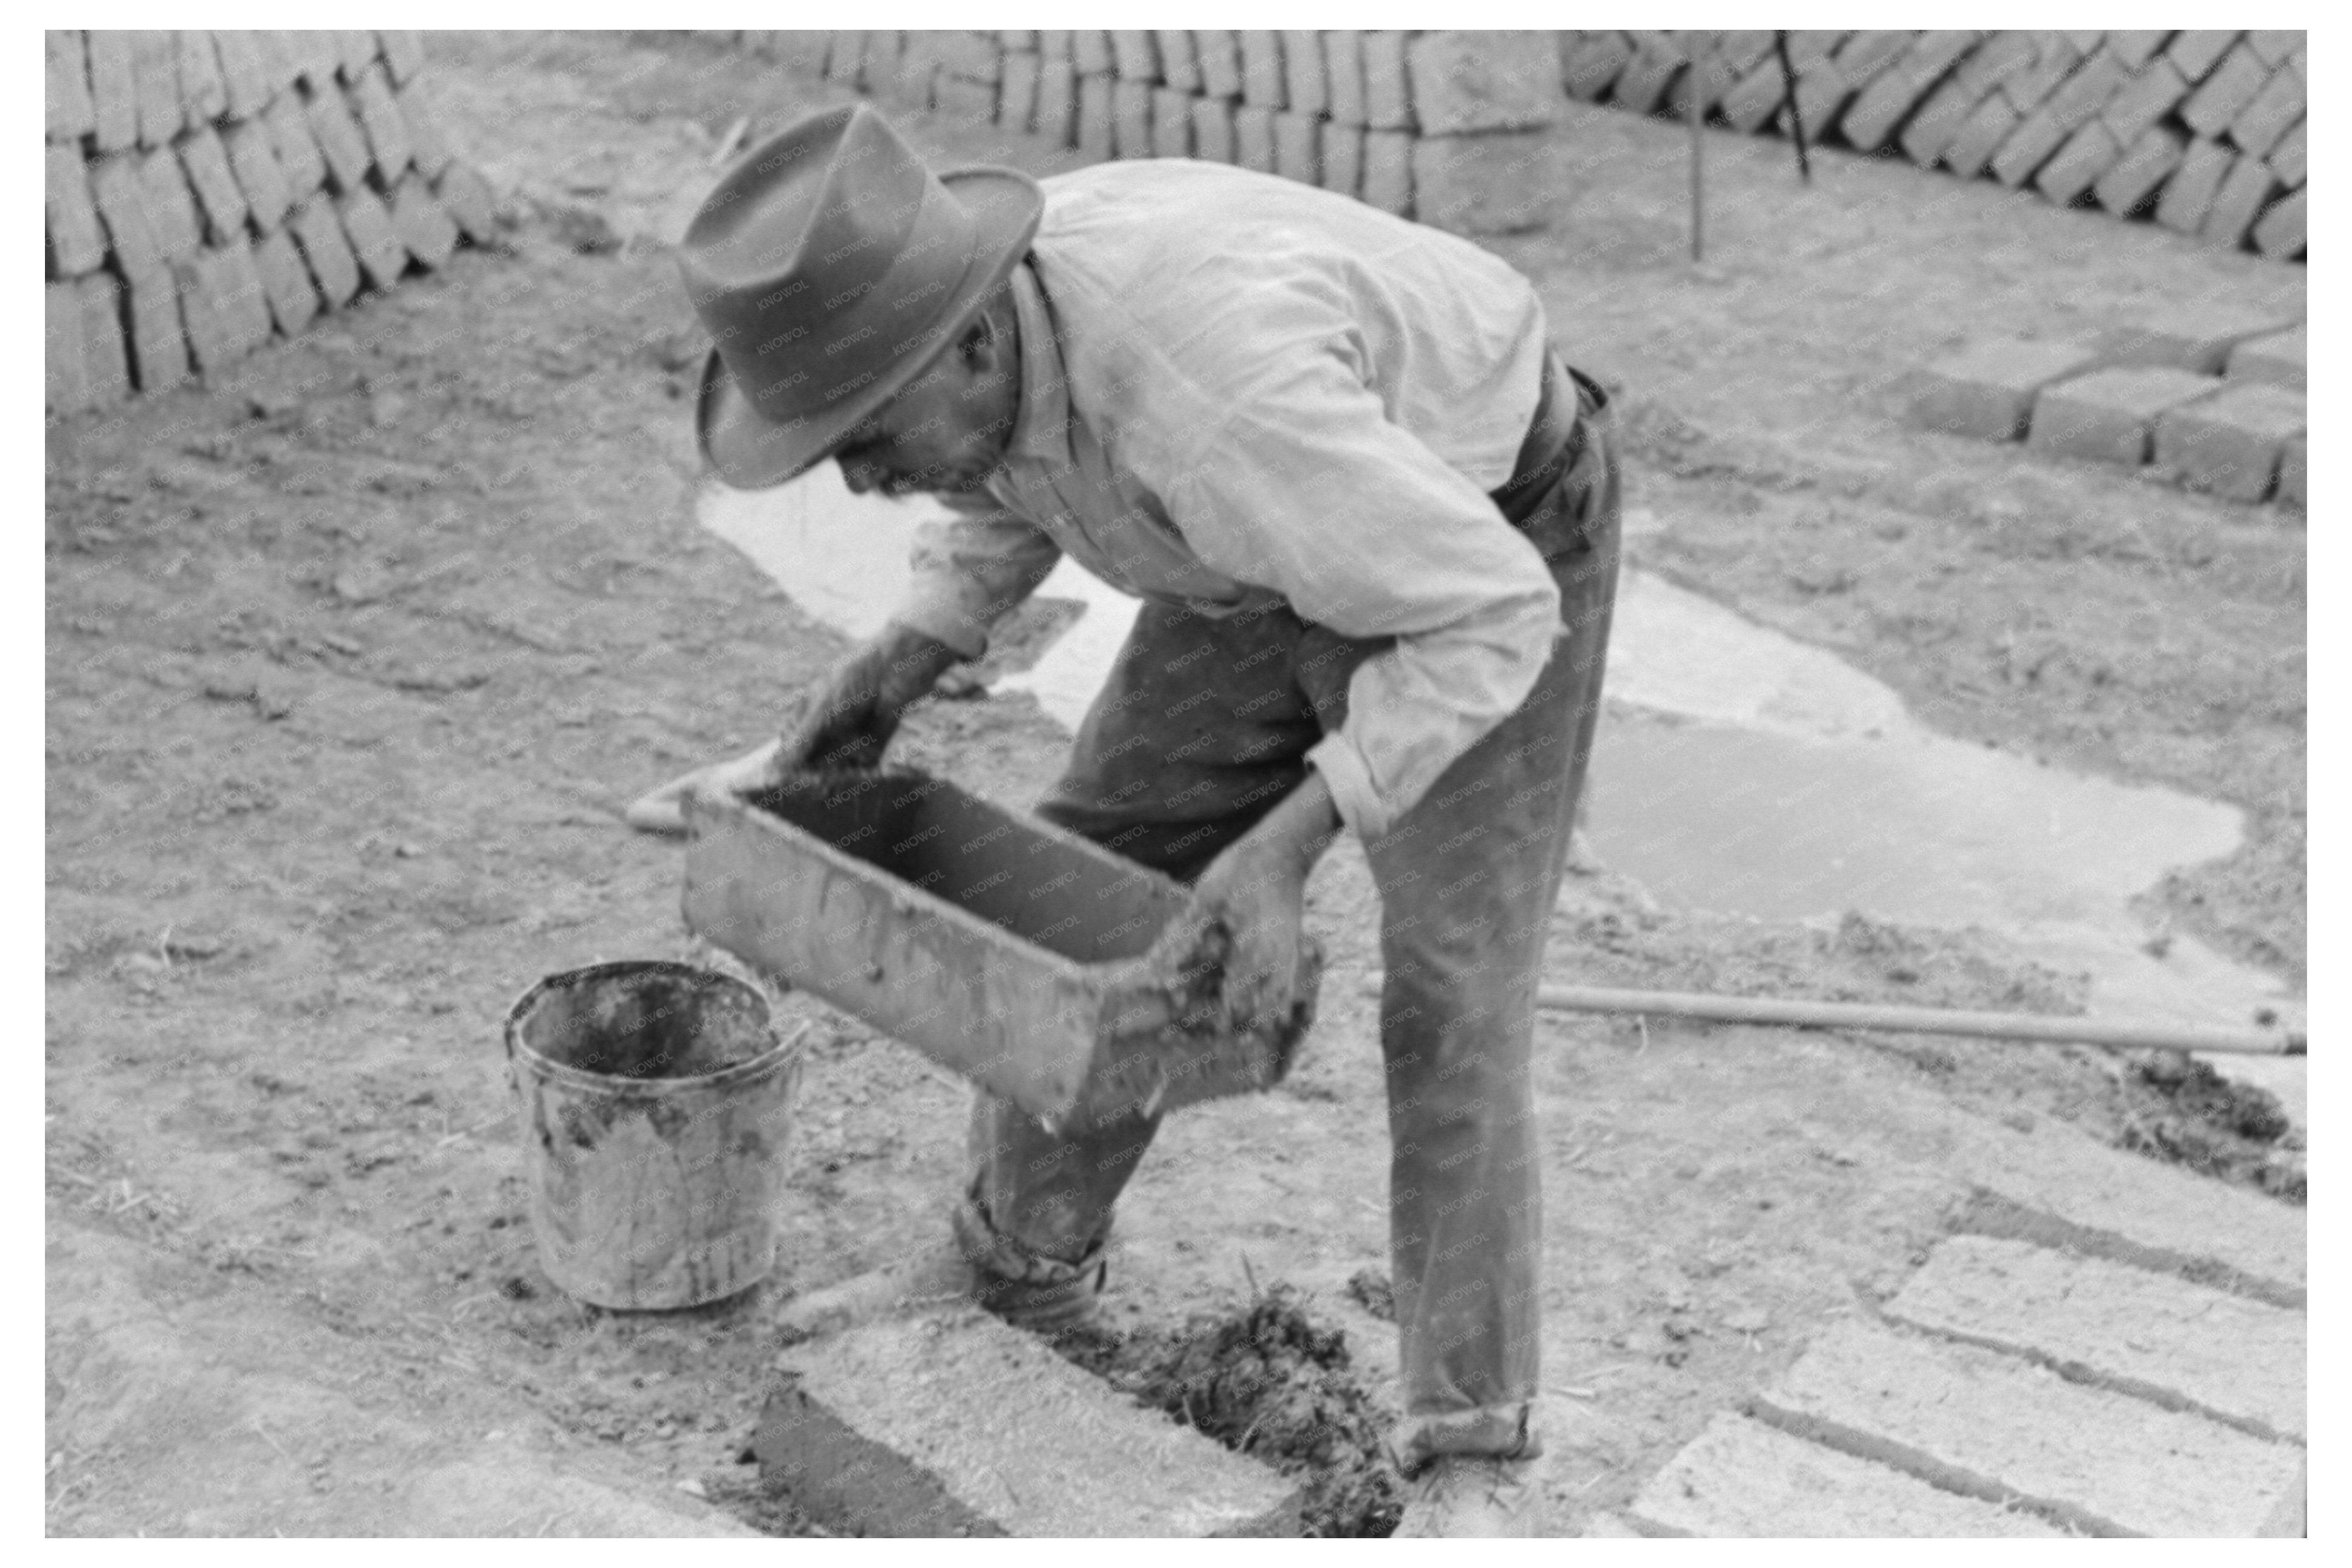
1697,79
1911,1020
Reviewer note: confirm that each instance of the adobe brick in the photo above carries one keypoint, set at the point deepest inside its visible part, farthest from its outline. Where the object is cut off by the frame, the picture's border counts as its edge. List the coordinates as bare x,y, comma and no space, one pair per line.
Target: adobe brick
1180,62
158,344
1980,136
1095,133
961,98
338,138
1298,146
912,73
1927,135
66,112
2287,158
2279,232
429,234
2135,46
356,50
2068,107
155,73
1304,83
975,56
2070,173
1130,112
1057,101
1262,77
2221,96
2229,446
2278,359
299,162
1016,103
2189,192
1253,137
380,118
1054,42
2275,46
114,89
1880,108
1171,122
2109,415
1741,1478
1092,52
2003,55
2053,56
1388,87
1978,1421
2145,100
1343,157
2294,474
122,204
2156,1335
279,67
244,79
253,156
1343,75
954,1422
430,152
1987,390
1213,129
382,256
1017,39
1590,62
1495,184
222,305
1388,171
1135,55
75,236
403,53
170,213
206,163
2273,111
2133,179
285,282
1466,82
106,361
1220,53
1757,97
64,379
2239,200
466,197
316,54
1658,59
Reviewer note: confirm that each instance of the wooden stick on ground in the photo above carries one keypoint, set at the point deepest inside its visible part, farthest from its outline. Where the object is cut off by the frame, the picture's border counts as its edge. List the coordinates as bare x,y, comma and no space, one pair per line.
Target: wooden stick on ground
1911,1020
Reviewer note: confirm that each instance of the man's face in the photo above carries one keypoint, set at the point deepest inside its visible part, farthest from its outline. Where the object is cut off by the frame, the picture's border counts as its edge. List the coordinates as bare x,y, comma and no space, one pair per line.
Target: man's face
947,430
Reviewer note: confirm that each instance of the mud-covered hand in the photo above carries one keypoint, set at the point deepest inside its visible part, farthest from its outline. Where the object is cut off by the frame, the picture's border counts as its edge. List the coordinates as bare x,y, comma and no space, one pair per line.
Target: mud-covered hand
1257,890
850,721
845,723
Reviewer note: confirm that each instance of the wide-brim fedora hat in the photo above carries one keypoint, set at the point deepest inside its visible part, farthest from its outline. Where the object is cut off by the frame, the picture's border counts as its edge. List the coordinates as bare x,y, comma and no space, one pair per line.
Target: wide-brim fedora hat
831,266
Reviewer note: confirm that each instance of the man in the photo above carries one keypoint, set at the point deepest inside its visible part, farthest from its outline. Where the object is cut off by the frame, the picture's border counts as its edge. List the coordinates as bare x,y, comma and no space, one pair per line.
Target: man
1373,521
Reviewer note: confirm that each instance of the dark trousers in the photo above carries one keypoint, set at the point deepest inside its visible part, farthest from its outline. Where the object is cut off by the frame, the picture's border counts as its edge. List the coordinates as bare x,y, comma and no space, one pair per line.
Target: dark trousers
1201,728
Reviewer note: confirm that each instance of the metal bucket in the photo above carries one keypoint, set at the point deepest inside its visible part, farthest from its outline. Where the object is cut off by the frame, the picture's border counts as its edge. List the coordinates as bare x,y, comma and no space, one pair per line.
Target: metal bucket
656,1107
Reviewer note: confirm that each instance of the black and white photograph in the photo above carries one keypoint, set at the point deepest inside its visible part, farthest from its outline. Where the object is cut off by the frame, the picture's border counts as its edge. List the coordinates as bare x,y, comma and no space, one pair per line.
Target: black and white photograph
1369,782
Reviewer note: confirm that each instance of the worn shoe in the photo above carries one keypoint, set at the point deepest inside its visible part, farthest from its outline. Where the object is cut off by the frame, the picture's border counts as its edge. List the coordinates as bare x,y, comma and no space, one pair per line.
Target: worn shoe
1474,1495
1038,1294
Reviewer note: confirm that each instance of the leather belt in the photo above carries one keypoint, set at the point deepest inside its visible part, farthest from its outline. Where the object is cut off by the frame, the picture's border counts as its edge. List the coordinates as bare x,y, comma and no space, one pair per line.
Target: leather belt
1555,441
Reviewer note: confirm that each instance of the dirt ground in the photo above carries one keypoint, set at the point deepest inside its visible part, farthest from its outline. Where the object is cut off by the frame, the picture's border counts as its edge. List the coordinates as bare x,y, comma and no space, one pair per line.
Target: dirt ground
354,659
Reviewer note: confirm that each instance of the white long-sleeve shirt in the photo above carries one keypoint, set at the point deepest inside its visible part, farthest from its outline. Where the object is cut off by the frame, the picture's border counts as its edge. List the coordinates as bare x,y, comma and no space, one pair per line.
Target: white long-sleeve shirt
1235,386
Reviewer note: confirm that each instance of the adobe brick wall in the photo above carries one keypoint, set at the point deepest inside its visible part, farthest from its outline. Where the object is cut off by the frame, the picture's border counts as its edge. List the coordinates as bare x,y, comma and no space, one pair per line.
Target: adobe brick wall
208,190
1441,126
2201,131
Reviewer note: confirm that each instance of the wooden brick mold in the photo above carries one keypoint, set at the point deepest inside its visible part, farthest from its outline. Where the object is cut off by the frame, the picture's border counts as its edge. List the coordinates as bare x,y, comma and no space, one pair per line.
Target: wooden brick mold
201,190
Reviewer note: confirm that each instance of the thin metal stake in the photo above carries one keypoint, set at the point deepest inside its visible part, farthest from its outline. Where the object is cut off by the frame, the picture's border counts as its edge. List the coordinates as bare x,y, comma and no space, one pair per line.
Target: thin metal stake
1789,90
1694,85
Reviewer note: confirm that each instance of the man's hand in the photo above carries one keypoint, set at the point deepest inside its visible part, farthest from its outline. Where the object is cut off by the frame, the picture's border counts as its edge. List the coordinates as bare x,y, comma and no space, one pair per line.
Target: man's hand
1257,889
847,725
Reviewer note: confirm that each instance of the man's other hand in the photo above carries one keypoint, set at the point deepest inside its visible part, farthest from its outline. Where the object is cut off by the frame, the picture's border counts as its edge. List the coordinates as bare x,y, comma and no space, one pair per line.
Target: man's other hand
1257,889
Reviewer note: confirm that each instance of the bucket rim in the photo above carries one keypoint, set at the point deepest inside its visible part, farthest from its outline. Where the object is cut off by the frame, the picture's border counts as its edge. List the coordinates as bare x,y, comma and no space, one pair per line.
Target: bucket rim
644,1087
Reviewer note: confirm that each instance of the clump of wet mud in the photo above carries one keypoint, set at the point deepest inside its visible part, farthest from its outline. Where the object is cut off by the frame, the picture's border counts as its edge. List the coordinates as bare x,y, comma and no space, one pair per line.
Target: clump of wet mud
2187,1114
1266,1381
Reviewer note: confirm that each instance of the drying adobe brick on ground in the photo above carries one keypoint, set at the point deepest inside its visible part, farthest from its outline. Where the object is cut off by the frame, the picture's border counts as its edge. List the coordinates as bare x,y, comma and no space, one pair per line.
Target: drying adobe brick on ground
371,630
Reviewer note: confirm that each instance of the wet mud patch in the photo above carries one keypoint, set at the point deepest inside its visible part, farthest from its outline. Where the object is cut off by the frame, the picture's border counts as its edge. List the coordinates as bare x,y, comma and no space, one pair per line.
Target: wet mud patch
2179,1109
1267,1381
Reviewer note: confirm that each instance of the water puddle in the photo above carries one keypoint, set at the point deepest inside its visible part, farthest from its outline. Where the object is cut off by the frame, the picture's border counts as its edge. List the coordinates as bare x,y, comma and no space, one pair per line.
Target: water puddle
1739,772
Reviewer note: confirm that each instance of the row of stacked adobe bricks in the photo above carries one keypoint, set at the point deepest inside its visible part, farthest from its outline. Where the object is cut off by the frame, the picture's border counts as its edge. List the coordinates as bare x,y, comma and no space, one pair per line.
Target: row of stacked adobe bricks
2201,131
1446,127
2213,400
206,190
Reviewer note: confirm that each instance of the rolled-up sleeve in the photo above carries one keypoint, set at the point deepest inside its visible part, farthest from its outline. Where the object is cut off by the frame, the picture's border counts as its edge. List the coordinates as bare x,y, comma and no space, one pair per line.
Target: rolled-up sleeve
1307,489
969,569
